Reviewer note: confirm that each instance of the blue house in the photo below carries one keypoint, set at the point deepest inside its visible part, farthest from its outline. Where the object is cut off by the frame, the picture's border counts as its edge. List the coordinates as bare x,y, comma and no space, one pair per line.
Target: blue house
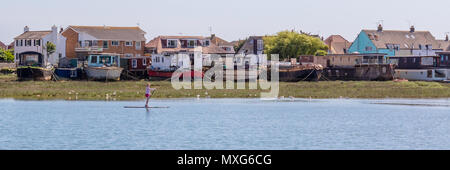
396,42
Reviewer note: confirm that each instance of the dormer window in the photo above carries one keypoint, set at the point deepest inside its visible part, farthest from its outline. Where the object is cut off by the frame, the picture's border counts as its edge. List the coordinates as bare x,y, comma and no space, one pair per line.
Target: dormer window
172,43
206,43
191,43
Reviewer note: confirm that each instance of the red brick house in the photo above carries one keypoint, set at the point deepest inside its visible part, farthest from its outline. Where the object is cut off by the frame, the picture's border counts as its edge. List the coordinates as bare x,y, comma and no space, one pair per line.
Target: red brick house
127,42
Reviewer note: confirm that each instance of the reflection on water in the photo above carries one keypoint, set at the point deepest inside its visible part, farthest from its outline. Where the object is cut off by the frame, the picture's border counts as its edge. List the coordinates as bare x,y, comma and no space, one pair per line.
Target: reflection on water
227,124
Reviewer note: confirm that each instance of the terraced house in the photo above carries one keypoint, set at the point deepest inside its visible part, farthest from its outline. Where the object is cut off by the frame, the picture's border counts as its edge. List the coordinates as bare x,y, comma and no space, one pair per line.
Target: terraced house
127,42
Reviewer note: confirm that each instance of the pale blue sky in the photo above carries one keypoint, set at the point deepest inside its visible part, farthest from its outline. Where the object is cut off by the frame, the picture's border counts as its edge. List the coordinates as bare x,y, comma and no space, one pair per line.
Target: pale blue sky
229,19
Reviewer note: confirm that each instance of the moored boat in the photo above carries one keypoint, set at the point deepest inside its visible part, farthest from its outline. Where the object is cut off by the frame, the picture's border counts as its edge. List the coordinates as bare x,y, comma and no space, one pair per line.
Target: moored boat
103,67
34,73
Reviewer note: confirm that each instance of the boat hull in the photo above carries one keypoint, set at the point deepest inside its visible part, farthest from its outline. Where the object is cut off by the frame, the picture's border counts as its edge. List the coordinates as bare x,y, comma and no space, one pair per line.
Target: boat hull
300,75
423,74
104,73
34,73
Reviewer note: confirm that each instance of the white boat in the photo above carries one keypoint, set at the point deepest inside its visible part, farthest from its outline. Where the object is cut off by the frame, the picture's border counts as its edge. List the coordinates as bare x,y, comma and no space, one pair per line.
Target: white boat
104,73
104,67
432,74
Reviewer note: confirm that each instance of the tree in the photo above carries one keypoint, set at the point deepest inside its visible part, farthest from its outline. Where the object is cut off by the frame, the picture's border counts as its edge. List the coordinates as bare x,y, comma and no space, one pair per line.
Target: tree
239,45
292,44
6,55
50,48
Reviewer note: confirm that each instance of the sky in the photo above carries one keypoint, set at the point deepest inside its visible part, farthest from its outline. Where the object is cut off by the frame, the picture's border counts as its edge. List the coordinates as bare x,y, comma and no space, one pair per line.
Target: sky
228,19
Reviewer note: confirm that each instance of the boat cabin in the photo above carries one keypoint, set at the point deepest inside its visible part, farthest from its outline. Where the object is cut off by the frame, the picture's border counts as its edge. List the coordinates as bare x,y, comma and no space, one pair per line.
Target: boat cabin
103,60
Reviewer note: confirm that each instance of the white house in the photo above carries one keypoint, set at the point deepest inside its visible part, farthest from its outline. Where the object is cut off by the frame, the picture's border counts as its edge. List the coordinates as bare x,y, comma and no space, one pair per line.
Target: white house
30,47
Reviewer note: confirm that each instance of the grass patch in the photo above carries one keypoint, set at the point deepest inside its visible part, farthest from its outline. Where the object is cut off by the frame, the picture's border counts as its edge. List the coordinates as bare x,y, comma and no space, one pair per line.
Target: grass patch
134,90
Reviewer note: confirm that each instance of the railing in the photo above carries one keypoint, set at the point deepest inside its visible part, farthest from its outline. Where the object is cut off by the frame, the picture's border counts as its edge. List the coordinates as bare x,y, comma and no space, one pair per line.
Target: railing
88,49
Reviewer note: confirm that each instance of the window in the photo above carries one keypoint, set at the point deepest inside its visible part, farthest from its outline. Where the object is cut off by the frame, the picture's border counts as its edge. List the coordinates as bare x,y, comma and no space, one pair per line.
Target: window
105,44
260,44
28,43
206,42
138,45
134,63
420,46
93,59
144,61
128,43
38,42
21,42
17,42
60,55
73,73
162,59
114,43
368,48
192,43
172,43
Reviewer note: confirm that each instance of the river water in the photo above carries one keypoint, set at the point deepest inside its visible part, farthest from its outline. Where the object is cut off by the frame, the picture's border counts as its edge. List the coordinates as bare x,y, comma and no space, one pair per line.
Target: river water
227,124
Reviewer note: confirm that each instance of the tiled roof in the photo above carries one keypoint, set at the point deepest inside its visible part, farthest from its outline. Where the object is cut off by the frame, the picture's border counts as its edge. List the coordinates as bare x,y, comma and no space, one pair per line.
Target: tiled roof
33,35
219,41
337,44
445,45
3,45
157,44
405,39
112,33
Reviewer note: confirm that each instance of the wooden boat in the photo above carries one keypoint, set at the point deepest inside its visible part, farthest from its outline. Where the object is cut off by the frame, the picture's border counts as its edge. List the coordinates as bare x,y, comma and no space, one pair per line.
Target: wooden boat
104,73
103,67
300,73
68,73
34,73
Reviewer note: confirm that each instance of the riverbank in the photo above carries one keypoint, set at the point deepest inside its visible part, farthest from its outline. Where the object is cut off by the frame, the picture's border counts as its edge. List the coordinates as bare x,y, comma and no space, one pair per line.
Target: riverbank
134,90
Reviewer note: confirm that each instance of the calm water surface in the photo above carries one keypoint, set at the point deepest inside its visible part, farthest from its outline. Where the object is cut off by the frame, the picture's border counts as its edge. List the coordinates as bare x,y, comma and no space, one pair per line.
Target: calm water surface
227,124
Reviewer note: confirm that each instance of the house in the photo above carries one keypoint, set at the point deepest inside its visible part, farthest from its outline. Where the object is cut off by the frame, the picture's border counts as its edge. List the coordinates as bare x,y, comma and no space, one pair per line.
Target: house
164,50
227,46
396,42
126,42
30,47
424,68
337,44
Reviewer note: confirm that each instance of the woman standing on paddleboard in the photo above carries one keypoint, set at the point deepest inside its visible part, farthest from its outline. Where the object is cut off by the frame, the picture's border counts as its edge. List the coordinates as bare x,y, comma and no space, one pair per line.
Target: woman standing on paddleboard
148,93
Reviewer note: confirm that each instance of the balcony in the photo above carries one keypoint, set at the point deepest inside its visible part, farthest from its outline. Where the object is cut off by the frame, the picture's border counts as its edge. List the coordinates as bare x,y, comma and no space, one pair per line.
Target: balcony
88,49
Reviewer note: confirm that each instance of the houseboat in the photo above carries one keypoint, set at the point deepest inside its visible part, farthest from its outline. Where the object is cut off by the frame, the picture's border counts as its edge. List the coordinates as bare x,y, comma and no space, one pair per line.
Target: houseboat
163,67
295,73
421,68
103,67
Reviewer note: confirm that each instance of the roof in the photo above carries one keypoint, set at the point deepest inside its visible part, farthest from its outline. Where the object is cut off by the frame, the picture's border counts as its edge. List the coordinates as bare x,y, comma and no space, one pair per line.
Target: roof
444,44
248,46
219,41
33,35
337,44
156,43
405,39
112,33
3,45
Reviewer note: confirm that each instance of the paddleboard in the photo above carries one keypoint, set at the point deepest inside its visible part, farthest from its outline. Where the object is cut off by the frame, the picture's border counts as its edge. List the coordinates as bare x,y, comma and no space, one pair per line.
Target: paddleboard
151,107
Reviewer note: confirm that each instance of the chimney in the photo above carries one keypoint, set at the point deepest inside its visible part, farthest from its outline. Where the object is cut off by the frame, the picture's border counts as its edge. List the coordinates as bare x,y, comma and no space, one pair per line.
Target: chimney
54,28
380,28
212,36
412,29
26,29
